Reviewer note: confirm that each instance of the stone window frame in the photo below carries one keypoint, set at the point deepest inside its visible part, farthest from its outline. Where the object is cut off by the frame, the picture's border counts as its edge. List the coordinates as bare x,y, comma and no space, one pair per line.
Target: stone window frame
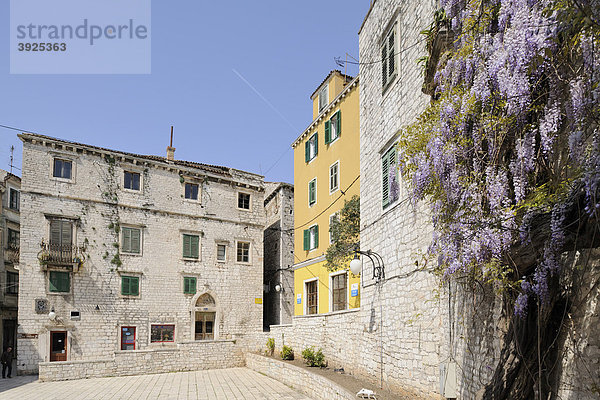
305,295
134,170
187,181
131,226
331,276
58,269
237,200
17,195
137,274
65,157
159,343
221,243
183,279
237,241
189,232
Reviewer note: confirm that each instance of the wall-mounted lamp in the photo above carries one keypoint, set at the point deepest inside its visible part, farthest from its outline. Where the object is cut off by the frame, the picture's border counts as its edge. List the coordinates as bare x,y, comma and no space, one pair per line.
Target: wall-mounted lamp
378,268
52,315
278,288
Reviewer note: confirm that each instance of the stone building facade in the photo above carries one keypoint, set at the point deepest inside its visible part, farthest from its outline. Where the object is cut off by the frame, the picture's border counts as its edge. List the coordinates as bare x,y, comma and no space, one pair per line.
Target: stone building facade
127,256
278,254
10,190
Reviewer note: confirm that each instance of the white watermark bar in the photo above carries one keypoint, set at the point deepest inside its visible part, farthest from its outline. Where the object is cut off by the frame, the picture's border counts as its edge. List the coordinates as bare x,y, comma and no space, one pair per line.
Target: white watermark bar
80,37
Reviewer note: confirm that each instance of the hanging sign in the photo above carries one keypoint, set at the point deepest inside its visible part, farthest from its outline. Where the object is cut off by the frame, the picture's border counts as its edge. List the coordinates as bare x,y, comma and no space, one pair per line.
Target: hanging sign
299,298
354,290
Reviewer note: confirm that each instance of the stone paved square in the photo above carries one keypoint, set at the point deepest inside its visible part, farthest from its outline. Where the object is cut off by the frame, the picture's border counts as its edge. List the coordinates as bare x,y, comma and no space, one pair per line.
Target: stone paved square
232,383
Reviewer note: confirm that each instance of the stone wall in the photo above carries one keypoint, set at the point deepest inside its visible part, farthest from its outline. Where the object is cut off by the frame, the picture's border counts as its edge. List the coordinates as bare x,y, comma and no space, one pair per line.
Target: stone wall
313,385
97,204
187,356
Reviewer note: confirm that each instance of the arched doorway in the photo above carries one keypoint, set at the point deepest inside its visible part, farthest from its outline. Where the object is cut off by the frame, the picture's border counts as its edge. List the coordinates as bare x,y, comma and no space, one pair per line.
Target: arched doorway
204,317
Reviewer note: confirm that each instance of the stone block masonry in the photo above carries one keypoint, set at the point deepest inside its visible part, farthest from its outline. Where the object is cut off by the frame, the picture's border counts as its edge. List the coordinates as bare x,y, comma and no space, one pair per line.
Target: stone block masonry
179,292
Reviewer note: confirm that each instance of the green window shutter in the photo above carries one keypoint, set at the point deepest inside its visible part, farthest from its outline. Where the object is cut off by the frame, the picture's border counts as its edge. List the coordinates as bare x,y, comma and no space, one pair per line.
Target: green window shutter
327,132
392,57
338,116
383,65
195,246
126,240
316,139
307,239
59,281
307,151
311,193
384,179
135,240
187,246
134,286
124,285
55,234
316,228
66,233
189,285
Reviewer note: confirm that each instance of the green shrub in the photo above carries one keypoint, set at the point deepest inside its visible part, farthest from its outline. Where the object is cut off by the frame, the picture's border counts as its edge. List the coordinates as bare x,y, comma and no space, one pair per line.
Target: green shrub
270,346
312,358
287,353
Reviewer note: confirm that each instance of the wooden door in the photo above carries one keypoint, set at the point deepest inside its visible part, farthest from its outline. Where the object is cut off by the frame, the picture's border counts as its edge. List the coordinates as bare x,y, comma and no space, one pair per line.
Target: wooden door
205,325
58,346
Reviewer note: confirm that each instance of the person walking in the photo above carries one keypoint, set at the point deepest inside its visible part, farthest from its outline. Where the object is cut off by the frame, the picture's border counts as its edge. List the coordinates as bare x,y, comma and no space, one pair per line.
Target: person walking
6,360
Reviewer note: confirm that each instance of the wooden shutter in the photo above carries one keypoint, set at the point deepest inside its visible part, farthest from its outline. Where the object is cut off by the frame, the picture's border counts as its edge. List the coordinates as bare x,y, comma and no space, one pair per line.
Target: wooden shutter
134,286
383,64
194,246
126,240
307,151
316,228
316,139
391,55
187,246
307,239
66,233
136,240
384,180
55,232
338,116
311,192
327,132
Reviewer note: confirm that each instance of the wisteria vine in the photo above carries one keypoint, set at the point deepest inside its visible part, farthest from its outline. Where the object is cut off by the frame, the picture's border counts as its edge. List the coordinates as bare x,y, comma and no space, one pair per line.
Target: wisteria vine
513,128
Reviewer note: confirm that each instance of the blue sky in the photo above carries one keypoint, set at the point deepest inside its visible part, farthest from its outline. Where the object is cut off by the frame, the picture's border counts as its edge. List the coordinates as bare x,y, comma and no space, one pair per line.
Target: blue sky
283,49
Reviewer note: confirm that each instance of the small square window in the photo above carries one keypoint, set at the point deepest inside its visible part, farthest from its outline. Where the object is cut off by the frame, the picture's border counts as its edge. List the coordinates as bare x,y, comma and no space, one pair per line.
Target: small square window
221,252
131,180
334,177
130,285
62,168
131,240
243,252
244,201
191,191
59,282
162,333
189,285
191,246
14,199
128,338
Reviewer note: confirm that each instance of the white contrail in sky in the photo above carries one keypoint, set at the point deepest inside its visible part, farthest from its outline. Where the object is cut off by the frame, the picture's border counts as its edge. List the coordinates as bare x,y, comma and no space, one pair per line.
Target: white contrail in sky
264,99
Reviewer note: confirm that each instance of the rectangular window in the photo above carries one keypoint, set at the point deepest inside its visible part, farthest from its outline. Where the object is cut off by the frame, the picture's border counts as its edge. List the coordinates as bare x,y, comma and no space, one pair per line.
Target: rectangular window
131,181
323,97
191,246
221,252
61,233
311,297
339,289
244,201
311,238
131,240
62,168
332,219
60,282
191,191
312,192
13,239
388,58
162,333
389,177
189,285
130,285
128,338
333,127
14,199
311,147
12,283
243,252
333,177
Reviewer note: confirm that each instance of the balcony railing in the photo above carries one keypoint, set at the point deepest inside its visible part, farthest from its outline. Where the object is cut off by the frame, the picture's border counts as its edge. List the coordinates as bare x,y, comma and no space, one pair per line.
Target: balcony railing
61,254
11,254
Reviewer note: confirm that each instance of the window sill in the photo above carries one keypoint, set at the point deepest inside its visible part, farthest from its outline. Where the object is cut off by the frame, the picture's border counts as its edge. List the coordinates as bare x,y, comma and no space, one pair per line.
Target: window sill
63,180
243,262
244,209
132,191
333,141
389,84
192,201
189,259
124,253
334,190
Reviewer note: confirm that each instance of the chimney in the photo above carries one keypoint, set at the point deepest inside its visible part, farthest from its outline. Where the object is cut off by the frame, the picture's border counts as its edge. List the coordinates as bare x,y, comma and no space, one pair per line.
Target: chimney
171,149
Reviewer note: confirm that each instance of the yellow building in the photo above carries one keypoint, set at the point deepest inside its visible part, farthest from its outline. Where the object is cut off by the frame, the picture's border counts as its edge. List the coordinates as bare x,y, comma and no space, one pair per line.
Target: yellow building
326,173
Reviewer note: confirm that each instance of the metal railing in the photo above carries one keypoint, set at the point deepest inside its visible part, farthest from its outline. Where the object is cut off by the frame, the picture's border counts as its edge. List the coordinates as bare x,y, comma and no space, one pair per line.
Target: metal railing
11,253
60,253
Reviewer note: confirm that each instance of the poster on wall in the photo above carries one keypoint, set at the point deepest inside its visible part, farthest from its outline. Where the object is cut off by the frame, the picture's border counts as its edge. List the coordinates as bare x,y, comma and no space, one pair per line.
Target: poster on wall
354,290
299,298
